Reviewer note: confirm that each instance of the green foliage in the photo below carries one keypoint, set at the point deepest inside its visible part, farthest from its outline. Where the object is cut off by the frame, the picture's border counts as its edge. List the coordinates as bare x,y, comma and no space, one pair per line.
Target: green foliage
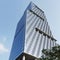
51,54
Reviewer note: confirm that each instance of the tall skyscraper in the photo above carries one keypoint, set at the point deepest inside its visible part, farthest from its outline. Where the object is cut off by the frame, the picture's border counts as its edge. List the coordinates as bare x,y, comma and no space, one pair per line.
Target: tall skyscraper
32,35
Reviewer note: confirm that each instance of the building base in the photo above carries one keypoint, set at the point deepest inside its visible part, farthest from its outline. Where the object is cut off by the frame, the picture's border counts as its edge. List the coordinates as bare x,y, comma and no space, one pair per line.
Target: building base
26,57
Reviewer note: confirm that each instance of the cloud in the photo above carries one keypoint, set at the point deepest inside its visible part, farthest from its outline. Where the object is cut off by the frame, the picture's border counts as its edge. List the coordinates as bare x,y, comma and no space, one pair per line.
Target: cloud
3,38
3,49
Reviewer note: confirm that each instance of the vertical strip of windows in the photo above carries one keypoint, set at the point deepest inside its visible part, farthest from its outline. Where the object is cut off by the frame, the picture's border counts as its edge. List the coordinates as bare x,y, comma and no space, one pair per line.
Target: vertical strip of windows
32,22
35,44
33,28
32,40
46,27
40,13
48,30
53,43
39,48
44,42
30,45
50,43
41,38
31,17
31,32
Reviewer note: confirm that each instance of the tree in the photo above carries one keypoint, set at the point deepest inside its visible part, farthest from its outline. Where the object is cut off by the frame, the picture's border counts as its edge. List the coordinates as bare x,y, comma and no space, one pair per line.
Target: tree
51,54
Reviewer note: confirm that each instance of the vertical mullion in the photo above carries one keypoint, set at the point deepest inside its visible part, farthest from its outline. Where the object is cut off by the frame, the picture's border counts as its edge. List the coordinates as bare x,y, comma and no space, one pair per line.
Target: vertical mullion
44,42
50,43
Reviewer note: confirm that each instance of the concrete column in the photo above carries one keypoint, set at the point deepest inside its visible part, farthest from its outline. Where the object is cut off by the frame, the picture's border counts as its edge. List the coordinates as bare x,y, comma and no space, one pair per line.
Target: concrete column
18,59
23,57
35,59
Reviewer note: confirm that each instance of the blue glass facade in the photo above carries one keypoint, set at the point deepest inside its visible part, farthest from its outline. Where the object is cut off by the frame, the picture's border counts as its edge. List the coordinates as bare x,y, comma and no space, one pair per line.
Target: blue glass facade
18,43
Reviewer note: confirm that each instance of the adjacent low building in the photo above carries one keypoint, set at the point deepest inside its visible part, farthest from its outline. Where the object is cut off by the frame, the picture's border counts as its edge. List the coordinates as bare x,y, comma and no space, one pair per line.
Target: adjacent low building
32,35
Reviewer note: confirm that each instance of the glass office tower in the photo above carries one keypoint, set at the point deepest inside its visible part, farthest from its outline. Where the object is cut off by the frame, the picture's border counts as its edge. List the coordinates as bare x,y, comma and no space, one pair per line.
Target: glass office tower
32,35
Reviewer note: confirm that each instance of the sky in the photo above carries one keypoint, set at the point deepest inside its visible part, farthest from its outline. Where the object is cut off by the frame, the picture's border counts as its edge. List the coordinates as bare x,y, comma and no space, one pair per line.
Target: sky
12,10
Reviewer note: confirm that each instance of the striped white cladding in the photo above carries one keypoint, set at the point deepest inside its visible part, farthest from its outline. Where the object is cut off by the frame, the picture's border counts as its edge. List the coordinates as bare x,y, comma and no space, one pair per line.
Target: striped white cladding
35,41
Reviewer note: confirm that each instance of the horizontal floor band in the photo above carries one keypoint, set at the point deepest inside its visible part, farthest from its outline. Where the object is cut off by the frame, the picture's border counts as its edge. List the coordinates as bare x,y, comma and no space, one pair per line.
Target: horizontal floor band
45,34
